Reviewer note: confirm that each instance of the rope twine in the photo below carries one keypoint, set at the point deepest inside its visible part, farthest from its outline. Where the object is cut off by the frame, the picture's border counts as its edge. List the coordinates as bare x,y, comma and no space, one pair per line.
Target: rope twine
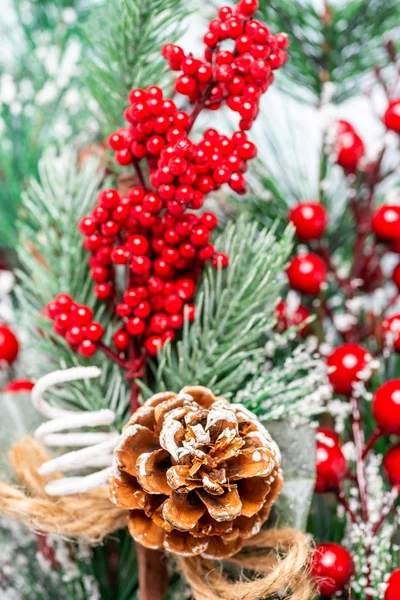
279,557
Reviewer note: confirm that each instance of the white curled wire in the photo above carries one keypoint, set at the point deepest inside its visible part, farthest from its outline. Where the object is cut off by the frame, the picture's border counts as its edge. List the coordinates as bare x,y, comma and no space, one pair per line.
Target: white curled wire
96,448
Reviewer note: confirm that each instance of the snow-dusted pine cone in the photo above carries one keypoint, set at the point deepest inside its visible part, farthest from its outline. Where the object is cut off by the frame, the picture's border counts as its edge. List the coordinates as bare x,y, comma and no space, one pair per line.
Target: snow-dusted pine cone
198,474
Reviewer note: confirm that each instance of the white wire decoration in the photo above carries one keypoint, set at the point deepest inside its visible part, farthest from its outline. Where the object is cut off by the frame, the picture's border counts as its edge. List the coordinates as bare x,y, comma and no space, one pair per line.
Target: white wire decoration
96,448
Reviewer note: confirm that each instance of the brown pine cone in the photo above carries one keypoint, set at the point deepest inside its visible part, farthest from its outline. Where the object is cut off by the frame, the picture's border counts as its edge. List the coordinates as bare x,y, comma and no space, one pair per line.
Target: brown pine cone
198,474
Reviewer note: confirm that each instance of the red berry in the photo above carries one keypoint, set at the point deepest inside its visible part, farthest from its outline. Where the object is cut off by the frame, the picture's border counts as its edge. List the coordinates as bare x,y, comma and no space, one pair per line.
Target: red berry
94,332
391,118
63,302
386,222
175,321
391,465
289,317
138,245
121,339
220,259
307,273
344,366
186,85
247,7
393,586
18,386
120,255
103,291
331,464
87,348
386,407
350,147
135,326
83,315
332,568
87,226
108,199
391,332
140,265
9,345
63,322
309,219
142,310
153,344
185,288
199,236
173,304
209,220
75,335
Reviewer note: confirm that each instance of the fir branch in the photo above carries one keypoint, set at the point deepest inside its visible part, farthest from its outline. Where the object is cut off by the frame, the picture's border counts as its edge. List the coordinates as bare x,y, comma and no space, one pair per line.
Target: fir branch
53,260
234,307
341,43
126,38
295,388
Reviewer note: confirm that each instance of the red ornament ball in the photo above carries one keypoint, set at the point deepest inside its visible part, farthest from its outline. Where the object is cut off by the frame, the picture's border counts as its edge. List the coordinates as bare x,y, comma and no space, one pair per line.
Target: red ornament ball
391,464
19,385
393,586
386,407
307,273
309,219
332,568
345,364
391,118
331,464
9,345
386,222
290,317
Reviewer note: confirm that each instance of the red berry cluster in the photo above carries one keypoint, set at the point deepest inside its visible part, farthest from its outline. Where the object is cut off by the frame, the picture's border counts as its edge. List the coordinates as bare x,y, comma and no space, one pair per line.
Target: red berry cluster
154,121
75,323
237,77
187,172
164,253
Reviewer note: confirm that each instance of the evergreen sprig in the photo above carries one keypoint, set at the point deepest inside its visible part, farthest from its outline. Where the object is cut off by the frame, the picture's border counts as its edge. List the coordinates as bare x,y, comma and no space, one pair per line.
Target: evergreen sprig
127,36
341,42
234,307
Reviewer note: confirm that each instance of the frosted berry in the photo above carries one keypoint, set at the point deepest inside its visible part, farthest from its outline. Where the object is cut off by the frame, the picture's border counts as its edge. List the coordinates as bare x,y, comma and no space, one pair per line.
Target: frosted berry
309,219
331,464
350,147
9,345
344,366
386,407
391,118
391,465
291,316
307,273
391,332
332,568
393,586
386,222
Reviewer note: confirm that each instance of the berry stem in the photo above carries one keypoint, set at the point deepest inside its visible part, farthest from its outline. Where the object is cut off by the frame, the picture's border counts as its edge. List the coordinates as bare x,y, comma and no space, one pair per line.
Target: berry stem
140,175
358,436
153,574
376,434
341,496
113,355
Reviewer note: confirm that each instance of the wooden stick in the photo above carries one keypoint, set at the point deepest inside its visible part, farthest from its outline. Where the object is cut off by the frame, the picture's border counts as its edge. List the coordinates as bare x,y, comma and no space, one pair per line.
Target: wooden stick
153,574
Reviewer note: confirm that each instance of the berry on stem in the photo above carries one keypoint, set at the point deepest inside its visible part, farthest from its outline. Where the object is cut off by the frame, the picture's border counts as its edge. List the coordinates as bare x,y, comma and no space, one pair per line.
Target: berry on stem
331,463
391,465
391,118
350,147
332,568
386,407
386,223
393,586
309,219
9,345
307,273
345,364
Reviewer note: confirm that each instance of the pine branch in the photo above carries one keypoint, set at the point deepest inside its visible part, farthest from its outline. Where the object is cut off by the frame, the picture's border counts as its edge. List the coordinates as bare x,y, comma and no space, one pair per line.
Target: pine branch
126,38
342,42
53,260
234,308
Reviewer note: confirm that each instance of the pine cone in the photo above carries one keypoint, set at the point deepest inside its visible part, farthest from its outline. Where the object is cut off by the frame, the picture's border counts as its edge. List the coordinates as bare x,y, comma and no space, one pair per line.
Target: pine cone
198,474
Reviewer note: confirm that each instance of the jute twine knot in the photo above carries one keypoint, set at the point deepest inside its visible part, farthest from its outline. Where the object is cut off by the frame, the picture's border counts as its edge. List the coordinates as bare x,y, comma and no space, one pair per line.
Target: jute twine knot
277,558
